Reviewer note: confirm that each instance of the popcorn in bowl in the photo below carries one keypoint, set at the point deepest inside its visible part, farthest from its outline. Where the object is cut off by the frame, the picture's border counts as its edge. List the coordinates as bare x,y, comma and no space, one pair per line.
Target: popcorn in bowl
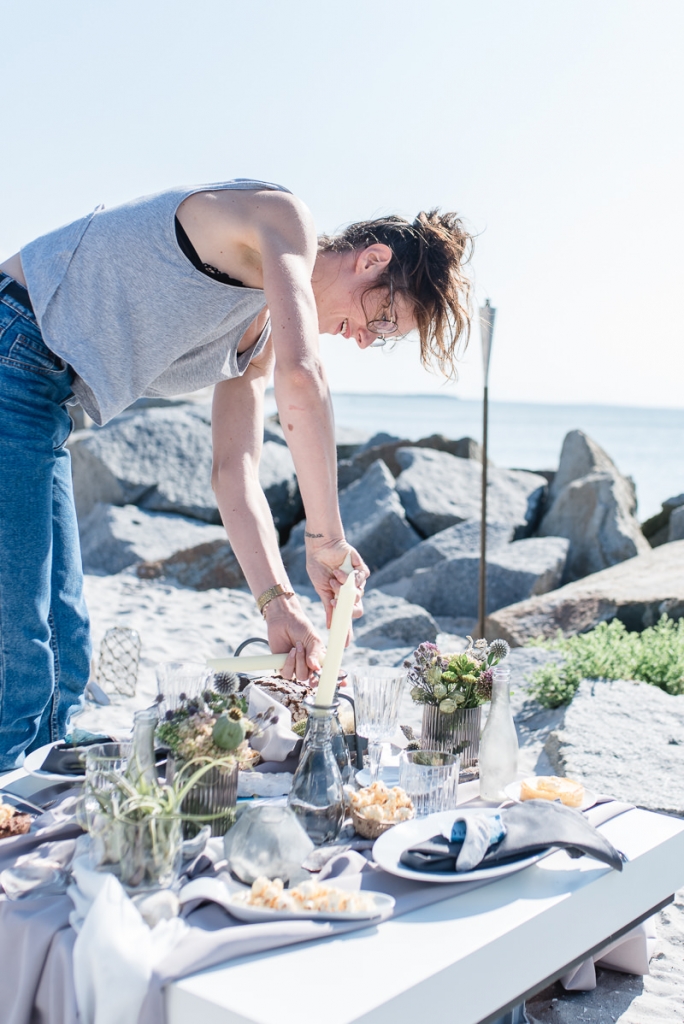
376,808
309,896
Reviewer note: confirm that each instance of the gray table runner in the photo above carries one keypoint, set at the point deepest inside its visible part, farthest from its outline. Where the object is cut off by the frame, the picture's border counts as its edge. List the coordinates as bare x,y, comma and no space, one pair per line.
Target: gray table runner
36,940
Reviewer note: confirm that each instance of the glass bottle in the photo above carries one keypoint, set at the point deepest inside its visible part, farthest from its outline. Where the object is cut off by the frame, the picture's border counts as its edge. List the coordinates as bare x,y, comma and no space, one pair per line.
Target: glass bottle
316,796
499,743
337,738
141,768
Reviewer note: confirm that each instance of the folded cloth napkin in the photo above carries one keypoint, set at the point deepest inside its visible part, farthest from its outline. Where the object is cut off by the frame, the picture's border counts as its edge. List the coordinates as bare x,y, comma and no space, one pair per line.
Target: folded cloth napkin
476,833
277,741
532,827
68,757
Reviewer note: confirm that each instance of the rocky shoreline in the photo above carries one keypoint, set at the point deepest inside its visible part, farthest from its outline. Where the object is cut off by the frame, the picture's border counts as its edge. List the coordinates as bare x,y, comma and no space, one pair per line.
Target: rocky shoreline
565,551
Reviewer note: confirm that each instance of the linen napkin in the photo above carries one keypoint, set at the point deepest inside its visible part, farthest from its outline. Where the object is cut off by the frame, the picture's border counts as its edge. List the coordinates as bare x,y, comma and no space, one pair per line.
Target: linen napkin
277,741
531,827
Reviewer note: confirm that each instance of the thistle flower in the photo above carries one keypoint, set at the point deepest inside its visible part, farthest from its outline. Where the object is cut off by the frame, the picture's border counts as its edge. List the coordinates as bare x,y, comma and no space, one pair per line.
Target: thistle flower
413,745
484,685
226,683
500,649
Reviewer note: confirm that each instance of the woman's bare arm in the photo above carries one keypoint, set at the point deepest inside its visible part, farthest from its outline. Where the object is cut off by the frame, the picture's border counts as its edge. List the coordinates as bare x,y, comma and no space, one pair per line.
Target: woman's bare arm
288,244
237,428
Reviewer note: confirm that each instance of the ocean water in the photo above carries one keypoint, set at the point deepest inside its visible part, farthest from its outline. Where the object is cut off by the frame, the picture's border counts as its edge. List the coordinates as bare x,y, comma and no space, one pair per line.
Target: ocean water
647,444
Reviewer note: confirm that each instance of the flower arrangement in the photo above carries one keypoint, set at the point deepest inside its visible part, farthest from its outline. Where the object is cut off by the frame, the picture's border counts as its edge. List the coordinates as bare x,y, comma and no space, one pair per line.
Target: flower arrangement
212,725
454,681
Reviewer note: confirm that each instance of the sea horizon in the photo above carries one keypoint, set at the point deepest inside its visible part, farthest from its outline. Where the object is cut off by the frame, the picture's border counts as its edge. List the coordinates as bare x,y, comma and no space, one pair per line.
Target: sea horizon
644,442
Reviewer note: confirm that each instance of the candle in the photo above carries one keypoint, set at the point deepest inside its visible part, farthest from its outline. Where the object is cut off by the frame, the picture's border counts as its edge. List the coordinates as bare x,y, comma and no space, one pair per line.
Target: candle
250,663
339,629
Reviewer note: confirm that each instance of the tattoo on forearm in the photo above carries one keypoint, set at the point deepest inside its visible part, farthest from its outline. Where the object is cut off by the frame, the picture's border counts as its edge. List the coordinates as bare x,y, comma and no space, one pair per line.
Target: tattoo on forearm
314,536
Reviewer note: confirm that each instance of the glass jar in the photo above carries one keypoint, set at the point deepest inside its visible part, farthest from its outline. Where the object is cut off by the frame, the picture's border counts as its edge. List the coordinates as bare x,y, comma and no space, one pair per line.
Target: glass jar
212,799
316,796
457,733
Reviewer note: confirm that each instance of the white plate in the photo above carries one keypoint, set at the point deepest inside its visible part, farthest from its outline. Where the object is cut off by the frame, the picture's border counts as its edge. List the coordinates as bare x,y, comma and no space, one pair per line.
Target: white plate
256,915
512,791
389,774
34,760
388,849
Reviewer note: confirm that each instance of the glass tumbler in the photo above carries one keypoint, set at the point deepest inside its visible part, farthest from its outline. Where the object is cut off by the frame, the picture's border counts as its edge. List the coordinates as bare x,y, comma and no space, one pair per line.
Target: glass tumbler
180,680
377,697
430,780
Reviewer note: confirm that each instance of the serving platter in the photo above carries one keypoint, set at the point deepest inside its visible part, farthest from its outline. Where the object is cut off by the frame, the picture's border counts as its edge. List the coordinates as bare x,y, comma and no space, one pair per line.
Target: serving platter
236,906
387,850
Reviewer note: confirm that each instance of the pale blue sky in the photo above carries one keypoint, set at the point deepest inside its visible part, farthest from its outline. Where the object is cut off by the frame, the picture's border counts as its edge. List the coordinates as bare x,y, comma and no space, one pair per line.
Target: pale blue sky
553,126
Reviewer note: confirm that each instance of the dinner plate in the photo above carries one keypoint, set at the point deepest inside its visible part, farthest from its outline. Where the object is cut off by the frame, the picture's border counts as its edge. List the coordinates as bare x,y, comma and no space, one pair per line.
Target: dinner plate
388,849
33,761
257,915
389,774
512,791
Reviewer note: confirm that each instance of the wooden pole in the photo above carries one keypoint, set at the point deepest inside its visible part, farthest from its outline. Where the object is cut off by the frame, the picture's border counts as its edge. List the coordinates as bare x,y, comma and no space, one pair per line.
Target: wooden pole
482,603
487,314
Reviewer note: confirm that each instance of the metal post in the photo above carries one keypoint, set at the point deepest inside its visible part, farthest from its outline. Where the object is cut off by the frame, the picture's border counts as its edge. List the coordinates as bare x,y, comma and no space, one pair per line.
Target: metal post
487,314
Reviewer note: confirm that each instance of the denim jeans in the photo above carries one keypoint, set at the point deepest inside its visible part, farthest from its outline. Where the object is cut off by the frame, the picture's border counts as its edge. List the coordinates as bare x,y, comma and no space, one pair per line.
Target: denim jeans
44,630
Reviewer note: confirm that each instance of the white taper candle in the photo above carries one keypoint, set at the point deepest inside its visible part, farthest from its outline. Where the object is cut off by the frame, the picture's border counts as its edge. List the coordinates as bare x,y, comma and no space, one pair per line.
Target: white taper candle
250,663
339,628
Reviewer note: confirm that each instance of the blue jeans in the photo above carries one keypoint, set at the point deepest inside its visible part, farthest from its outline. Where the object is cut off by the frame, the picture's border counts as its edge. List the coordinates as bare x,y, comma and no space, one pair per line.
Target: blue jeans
44,629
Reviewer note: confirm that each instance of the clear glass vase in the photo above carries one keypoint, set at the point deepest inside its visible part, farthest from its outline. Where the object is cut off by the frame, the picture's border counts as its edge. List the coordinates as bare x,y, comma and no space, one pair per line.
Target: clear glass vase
338,739
458,733
151,852
316,796
499,743
212,799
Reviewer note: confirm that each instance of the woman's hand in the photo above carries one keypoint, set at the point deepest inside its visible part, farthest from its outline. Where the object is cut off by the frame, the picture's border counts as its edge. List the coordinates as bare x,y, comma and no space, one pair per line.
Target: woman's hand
291,633
324,566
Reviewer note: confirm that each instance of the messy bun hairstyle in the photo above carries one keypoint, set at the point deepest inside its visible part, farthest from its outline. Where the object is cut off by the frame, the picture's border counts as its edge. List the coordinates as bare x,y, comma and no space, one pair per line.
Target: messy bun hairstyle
428,268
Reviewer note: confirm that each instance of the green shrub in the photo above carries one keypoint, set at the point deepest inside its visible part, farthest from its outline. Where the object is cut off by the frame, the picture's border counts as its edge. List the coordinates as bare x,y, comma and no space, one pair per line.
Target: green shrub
610,652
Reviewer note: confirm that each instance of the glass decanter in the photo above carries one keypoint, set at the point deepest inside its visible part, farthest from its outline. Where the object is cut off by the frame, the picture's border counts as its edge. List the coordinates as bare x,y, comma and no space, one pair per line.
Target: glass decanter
499,743
316,796
337,737
141,767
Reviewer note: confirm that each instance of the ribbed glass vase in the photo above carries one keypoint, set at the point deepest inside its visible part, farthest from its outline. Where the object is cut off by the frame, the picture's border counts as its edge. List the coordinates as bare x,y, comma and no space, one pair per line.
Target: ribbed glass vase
213,798
458,733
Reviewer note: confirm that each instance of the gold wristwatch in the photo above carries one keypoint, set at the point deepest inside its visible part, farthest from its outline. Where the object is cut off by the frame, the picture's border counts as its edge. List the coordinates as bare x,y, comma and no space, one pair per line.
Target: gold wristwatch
277,591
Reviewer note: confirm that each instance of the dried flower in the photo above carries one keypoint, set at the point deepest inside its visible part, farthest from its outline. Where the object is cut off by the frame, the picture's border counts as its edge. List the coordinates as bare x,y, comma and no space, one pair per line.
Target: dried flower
226,683
500,649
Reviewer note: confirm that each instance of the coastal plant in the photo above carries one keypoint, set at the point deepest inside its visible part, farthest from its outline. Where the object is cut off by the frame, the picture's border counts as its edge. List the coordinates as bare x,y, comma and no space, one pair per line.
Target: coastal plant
610,651
453,682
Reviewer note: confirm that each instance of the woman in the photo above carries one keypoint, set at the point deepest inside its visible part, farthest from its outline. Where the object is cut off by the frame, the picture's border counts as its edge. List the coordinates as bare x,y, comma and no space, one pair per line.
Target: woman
218,284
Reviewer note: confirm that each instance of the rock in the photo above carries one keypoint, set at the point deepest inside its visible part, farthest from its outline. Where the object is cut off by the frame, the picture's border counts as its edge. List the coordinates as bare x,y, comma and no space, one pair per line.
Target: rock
657,528
279,481
439,490
463,538
206,566
161,458
637,591
348,440
593,505
374,523
450,587
114,537
352,469
676,525
392,622
612,732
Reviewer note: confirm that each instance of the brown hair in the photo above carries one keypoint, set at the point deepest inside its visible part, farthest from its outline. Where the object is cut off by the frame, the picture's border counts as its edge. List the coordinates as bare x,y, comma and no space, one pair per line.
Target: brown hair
428,268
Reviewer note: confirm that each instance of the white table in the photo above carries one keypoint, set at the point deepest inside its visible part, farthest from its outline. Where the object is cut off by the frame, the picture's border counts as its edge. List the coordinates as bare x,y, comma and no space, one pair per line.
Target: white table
467,959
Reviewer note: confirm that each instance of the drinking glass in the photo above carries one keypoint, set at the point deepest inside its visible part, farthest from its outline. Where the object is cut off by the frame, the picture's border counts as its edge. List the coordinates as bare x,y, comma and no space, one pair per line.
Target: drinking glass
176,679
430,780
377,696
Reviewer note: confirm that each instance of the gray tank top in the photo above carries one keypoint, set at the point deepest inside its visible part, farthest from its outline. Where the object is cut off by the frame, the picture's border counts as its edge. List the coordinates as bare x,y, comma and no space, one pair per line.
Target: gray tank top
117,299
